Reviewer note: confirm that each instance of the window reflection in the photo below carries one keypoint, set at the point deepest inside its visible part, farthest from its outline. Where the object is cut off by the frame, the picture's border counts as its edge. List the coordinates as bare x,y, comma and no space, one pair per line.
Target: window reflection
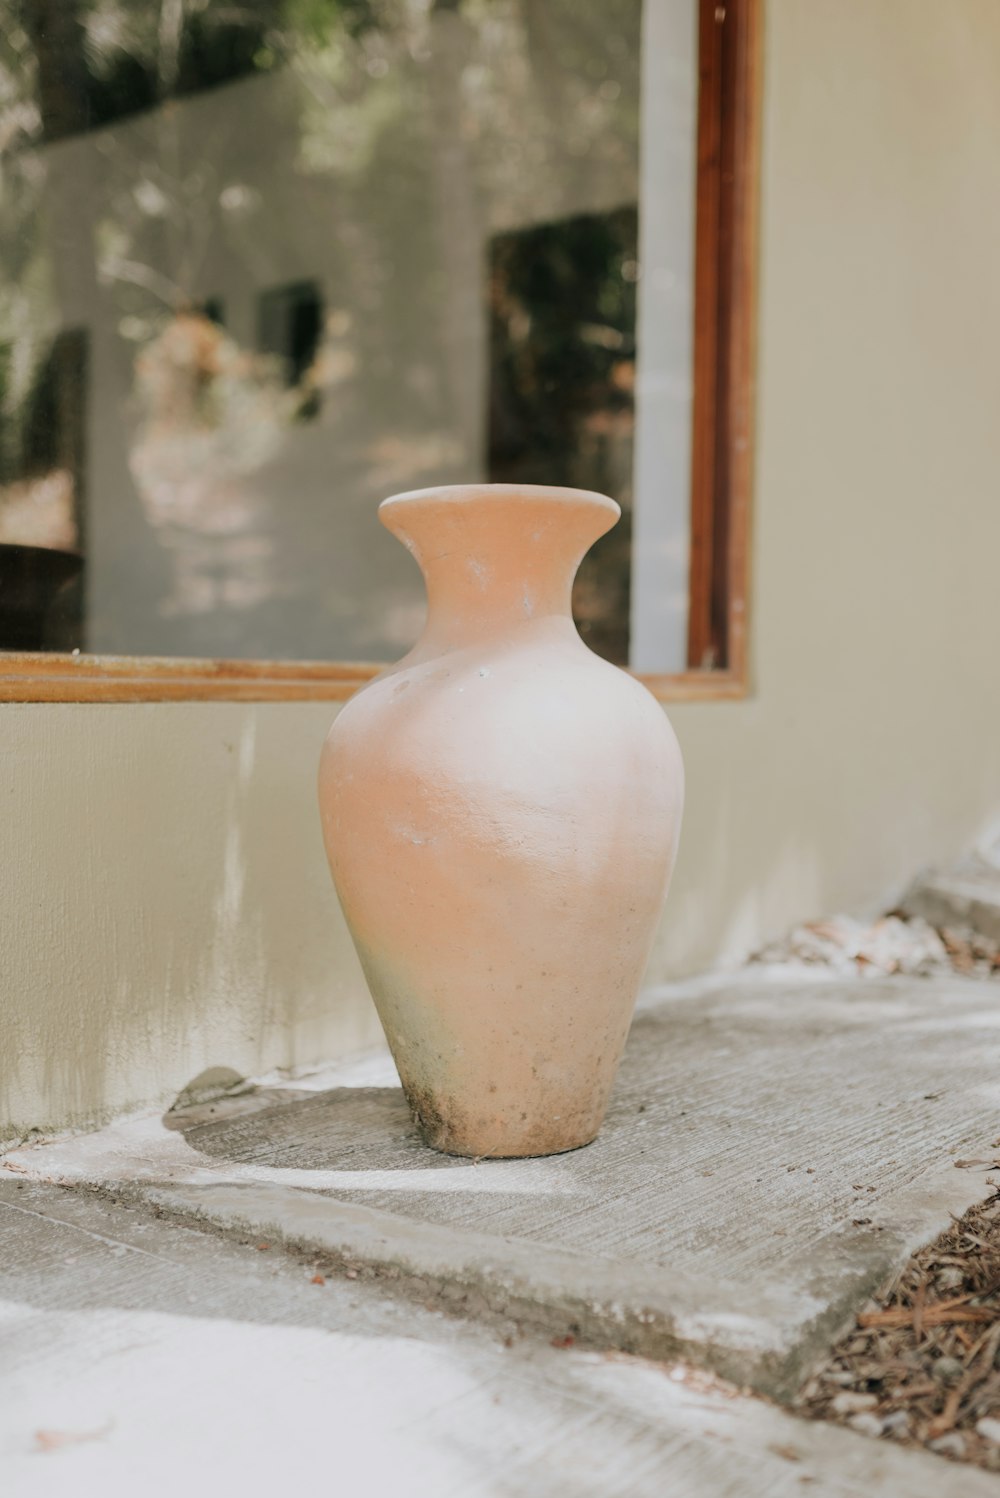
264,263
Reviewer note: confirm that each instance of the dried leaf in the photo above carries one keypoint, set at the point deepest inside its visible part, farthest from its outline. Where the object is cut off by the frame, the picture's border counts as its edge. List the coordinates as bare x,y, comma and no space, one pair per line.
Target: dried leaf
55,1440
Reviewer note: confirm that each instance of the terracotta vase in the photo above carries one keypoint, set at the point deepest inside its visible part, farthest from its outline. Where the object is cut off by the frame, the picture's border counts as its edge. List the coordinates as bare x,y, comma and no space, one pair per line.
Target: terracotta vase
501,812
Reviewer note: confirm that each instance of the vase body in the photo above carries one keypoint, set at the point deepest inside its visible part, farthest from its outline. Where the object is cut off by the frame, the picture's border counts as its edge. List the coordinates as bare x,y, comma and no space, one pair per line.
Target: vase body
501,812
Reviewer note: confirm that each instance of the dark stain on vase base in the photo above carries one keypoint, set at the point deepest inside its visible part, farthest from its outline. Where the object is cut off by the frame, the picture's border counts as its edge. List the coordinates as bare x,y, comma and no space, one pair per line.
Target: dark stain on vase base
447,1130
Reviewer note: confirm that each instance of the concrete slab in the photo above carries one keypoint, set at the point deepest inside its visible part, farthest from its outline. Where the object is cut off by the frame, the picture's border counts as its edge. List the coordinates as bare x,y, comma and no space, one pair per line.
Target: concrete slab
141,1357
774,1152
965,896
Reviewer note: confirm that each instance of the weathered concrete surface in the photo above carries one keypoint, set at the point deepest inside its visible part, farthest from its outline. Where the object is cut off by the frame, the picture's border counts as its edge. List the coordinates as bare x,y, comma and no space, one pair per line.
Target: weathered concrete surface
965,895
141,1357
774,1151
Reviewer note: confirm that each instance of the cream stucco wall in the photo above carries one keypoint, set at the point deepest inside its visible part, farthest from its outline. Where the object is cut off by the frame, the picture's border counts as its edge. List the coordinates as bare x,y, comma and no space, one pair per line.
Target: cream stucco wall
163,900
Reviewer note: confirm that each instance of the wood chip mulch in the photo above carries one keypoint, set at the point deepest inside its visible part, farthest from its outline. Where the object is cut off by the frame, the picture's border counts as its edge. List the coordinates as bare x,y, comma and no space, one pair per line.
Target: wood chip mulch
922,1366
970,952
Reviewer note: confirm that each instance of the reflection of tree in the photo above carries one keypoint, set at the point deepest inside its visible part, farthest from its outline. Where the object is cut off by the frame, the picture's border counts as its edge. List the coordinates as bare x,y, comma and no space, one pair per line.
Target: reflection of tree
46,384
56,32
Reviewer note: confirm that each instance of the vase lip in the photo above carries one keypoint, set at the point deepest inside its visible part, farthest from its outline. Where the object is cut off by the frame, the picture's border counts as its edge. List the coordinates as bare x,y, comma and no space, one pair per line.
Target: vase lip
463,493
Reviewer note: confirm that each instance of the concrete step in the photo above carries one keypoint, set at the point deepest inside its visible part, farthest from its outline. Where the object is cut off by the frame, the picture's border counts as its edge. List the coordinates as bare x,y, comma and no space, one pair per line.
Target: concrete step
965,896
775,1150
141,1357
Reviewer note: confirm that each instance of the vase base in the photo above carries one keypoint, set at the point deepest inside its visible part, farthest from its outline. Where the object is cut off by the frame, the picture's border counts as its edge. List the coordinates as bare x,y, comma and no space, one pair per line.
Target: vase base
467,1152
498,1139
463,1152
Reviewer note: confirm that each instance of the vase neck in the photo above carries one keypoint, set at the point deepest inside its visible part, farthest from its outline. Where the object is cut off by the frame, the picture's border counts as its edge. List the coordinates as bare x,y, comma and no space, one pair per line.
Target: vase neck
496,557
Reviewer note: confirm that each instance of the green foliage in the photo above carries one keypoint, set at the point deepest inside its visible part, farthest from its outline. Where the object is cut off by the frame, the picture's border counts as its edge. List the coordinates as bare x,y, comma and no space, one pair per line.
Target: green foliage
316,22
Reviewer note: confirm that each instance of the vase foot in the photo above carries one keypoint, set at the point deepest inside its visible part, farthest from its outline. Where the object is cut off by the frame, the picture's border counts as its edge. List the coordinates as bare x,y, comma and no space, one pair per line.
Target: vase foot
451,1132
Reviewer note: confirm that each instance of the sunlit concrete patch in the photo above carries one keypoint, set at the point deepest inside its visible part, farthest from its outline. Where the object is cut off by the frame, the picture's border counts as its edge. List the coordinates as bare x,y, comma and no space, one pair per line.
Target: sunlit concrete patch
145,1149
774,1151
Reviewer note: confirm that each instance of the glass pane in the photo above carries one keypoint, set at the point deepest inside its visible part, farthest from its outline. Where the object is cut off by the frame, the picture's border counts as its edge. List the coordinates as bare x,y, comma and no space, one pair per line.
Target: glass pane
263,263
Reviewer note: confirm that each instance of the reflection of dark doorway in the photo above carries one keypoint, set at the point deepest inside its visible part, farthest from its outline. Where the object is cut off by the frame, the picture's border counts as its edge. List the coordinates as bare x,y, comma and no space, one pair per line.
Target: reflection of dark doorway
214,308
42,502
291,325
562,369
40,597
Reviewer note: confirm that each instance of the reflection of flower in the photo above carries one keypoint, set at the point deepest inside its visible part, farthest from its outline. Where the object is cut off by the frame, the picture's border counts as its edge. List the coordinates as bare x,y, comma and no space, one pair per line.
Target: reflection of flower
211,415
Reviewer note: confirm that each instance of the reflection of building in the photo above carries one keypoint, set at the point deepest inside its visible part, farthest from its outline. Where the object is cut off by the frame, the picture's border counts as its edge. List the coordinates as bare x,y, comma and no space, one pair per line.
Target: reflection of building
354,221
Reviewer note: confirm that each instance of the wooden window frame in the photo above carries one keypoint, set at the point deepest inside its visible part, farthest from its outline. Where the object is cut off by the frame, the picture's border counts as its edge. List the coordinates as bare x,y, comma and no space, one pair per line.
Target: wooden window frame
722,442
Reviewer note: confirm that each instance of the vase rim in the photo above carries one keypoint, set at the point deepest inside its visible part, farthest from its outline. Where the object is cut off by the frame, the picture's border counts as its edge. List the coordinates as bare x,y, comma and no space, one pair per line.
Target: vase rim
462,493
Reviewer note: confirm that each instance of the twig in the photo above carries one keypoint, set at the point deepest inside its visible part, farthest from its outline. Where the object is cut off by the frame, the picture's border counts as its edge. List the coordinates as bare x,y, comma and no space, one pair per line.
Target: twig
918,1309
984,1354
933,1315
